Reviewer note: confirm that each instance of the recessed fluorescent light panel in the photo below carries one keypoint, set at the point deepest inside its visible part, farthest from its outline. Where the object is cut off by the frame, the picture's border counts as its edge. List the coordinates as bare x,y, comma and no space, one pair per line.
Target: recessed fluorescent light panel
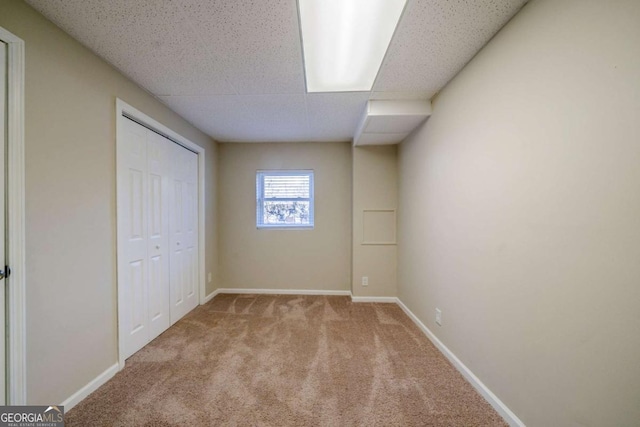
345,41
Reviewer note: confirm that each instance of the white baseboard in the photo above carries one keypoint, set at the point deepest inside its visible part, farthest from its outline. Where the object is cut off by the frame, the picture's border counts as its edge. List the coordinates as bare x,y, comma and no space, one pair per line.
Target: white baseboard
298,292
280,291
89,388
210,296
374,299
484,391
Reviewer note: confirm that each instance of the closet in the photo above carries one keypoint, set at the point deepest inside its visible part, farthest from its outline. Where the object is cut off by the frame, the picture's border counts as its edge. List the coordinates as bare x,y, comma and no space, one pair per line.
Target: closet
157,233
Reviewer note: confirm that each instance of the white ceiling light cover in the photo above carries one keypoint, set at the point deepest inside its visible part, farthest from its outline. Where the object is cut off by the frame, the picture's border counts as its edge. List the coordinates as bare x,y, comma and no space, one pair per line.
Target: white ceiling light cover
344,41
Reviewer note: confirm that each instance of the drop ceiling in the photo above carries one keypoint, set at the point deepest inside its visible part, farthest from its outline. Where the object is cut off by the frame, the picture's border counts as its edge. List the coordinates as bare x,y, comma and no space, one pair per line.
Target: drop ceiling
234,68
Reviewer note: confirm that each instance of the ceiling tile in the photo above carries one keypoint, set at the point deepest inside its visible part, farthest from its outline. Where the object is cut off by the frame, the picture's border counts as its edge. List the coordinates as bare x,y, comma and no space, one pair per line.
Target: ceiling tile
436,38
259,41
149,41
274,118
220,116
166,74
335,116
78,22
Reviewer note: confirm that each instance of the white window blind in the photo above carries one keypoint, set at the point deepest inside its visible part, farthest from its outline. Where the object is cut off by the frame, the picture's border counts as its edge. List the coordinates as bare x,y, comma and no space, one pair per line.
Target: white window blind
284,199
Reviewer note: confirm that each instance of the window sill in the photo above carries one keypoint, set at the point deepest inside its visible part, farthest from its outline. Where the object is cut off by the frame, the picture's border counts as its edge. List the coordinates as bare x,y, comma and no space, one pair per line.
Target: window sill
285,227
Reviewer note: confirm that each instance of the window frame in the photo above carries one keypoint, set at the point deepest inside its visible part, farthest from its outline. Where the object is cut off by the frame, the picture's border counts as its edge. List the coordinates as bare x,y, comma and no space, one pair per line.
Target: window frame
260,199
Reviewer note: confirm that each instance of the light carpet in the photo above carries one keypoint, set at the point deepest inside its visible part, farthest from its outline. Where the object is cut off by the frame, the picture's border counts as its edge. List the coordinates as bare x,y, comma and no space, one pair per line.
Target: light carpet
288,360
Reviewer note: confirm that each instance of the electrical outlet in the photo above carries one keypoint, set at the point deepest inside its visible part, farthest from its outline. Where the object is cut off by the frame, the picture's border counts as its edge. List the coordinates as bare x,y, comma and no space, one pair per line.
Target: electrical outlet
365,281
209,278
439,316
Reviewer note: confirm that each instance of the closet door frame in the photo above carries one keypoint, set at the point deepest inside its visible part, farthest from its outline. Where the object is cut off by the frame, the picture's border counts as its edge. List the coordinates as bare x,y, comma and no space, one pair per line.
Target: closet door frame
124,110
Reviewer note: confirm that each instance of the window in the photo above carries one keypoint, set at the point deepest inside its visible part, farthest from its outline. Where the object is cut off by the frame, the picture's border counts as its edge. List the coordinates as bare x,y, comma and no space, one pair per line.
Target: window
284,199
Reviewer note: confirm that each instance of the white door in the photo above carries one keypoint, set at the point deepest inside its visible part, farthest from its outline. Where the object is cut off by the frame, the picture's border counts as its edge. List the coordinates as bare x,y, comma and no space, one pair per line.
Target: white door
158,161
133,268
183,215
157,234
3,139
191,241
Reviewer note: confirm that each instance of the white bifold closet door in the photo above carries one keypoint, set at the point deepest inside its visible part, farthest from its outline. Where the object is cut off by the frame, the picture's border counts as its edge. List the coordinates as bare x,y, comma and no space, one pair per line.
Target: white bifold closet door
157,232
184,232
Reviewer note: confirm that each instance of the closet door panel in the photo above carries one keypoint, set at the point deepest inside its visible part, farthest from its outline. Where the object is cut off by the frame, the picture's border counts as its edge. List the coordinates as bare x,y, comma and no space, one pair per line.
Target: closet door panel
133,234
158,160
191,228
177,233
184,232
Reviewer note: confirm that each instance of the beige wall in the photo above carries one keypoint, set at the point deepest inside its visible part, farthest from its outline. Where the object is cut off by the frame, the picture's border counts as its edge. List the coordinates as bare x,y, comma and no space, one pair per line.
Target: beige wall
375,188
520,214
71,205
318,259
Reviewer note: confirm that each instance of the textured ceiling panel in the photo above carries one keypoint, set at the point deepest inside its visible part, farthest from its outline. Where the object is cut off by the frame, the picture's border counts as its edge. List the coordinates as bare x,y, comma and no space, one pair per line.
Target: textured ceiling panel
78,22
281,115
436,38
259,40
222,117
334,116
234,68
148,40
165,74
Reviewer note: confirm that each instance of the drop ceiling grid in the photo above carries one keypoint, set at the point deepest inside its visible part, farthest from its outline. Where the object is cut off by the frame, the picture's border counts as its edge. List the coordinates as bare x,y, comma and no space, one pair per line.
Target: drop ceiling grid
234,68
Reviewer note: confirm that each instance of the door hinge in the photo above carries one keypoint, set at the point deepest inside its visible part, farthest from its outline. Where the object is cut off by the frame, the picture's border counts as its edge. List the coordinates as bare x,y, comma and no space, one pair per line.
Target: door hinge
5,273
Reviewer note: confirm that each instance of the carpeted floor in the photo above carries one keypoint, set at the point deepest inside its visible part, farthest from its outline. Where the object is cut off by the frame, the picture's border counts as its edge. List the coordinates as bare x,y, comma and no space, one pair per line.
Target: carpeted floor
263,360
